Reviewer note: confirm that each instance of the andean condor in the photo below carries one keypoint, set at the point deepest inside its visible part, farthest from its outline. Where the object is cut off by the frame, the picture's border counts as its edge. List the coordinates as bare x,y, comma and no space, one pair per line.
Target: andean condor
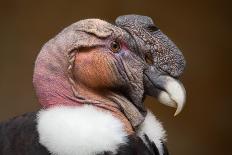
91,80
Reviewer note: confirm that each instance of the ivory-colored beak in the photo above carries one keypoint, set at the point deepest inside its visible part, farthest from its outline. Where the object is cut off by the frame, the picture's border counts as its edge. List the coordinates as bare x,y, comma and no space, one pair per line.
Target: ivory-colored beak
173,94
166,89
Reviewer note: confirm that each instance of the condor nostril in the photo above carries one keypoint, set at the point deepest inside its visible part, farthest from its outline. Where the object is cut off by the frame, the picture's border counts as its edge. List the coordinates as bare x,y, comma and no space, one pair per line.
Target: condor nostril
165,54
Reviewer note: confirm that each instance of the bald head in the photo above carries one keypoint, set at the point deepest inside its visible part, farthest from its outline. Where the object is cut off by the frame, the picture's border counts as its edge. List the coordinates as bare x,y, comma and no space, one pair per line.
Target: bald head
106,58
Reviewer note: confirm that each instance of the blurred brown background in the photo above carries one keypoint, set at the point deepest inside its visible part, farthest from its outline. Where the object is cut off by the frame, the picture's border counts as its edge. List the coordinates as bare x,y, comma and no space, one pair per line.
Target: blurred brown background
201,29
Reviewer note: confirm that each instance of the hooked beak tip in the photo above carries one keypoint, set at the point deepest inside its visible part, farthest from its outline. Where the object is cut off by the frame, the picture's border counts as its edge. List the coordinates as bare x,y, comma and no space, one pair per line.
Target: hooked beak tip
173,94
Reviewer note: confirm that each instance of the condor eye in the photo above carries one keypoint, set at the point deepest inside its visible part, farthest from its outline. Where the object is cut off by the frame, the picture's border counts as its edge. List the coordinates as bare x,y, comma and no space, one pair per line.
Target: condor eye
115,46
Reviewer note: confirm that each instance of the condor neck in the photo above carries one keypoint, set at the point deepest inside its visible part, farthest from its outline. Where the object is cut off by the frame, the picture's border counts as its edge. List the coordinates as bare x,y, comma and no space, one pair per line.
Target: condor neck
98,96
115,102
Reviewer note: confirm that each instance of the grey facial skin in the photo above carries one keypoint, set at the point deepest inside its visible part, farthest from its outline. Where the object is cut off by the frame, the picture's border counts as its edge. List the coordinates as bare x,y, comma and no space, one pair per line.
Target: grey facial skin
166,61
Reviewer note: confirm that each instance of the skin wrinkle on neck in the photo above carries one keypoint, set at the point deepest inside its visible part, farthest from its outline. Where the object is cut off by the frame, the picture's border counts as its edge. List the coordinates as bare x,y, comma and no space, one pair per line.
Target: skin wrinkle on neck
115,102
104,100
103,97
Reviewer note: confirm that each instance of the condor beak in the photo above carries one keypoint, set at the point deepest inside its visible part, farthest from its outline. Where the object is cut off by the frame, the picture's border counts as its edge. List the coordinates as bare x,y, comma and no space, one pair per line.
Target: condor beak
166,89
166,60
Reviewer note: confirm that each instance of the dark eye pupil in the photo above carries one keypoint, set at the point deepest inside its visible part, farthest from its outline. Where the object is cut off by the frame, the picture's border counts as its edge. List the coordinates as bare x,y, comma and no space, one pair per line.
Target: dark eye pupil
115,46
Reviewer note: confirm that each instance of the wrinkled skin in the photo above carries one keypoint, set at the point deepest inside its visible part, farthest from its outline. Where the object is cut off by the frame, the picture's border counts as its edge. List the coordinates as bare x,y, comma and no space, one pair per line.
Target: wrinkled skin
165,60
111,66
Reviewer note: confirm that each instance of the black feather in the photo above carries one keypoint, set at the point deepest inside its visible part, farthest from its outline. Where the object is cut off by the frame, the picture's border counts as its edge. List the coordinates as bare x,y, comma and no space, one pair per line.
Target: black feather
165,149
18,136
136,146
